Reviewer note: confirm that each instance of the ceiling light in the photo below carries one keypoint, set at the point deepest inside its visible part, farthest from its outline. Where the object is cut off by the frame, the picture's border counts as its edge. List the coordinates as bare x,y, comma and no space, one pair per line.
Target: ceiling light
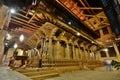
8,36
21,38
106,49
12,10
92,42
78,34
6,44
69,23
15,45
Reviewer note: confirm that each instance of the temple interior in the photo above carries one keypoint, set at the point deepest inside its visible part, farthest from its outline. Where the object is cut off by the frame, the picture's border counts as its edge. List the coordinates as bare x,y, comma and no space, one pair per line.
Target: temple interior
62,35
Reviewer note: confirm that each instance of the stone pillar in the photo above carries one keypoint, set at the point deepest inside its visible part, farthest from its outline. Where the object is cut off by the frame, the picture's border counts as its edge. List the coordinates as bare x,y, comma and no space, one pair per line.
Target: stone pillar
74,53
86,54
2,36
77,53
50,49
58,50
116,50
80,53
62,51
3,16
67,51
97,55
83,55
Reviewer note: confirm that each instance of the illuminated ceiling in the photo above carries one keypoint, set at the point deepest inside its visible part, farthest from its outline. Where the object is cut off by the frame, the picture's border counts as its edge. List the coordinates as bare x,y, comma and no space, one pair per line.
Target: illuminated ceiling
84,16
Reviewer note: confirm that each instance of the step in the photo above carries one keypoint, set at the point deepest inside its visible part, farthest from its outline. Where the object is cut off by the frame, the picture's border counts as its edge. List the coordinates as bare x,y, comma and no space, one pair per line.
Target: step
44,76
39,72
33,69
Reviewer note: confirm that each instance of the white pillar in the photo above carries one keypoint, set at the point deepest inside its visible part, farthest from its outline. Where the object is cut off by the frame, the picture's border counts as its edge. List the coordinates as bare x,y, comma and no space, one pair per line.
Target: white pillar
107,54
116,50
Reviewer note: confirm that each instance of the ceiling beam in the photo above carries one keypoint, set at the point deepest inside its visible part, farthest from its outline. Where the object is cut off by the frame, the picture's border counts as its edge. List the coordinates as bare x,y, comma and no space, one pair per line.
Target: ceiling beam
25,21
93,8
22,23
25,27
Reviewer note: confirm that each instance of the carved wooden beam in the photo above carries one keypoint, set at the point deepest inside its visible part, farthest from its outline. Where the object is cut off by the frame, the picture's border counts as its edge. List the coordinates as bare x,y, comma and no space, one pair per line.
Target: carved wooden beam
25,27
25,21
22,23
93,8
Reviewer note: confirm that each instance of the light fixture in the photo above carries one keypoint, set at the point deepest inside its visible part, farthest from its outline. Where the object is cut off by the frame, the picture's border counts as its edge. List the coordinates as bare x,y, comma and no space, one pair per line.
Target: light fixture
12,10
69,23
106,49
8,36
15,45
21,38
6,44
78,34
92,42
34,2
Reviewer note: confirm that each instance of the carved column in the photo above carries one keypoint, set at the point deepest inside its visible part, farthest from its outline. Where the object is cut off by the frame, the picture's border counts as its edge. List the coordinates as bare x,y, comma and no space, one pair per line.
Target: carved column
70,51
97,55
77,54
58,50
74,53
50,49
67,51
80,54
85,54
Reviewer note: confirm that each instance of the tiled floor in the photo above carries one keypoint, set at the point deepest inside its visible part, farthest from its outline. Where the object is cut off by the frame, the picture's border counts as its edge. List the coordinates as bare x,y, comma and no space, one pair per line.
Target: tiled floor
7,74
99,74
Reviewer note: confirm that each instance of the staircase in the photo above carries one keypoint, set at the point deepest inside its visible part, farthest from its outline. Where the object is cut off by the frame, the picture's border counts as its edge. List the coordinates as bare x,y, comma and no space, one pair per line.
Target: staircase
38,73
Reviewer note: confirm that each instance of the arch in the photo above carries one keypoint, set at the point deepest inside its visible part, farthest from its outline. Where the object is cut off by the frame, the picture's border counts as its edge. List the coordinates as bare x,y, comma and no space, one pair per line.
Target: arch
58,32
49,29
93,48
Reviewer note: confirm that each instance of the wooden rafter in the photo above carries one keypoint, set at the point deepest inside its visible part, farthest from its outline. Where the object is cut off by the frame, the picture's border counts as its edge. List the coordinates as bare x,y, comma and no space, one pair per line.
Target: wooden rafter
25,27
22,23
93,8
19,19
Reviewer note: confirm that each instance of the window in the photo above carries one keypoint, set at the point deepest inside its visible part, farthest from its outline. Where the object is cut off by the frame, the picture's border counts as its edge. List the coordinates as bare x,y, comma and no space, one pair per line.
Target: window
103,54
111,52
97,32
105,30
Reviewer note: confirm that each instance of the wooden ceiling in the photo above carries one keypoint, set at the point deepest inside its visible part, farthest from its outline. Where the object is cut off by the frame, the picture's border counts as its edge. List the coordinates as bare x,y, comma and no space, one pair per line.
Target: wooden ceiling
28,20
